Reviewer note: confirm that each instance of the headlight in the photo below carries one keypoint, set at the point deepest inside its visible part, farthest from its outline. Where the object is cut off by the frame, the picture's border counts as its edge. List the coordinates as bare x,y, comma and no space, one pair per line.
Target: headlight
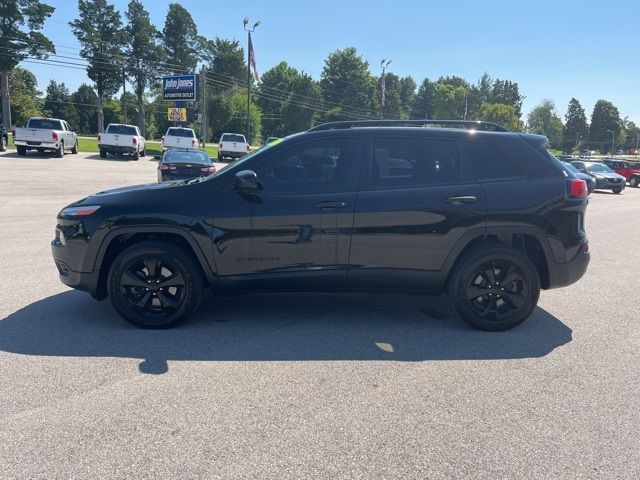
79,211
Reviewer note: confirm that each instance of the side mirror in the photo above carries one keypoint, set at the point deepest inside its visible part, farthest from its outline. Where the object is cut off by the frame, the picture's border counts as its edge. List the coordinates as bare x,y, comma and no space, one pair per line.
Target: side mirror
247,180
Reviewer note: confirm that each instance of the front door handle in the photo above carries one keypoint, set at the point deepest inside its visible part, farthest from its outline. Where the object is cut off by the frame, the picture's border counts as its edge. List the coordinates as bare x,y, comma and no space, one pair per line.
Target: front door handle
330,205
461,200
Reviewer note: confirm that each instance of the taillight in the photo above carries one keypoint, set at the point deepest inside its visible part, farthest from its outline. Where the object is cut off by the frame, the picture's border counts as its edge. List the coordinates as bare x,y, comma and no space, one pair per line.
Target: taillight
54,136
248,149
134,141
220,147
167,167
13,133
578,188
211,169
193,142
162,140
99,137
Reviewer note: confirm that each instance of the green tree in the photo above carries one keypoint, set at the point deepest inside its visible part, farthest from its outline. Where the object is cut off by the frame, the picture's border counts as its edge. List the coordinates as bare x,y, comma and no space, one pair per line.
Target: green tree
485,88
99,31
632,133
424,104
575,127
276,84
86,104
507,92
16,44
58,103
348,88
543,120
238,119
25,96
605,119
505,115
299,111
449,101
225,64
112,111
407,95
219,113
144,53
180,40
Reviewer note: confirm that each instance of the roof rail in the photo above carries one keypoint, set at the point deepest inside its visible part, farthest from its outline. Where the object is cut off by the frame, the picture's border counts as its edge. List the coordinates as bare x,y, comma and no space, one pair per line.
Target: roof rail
464,124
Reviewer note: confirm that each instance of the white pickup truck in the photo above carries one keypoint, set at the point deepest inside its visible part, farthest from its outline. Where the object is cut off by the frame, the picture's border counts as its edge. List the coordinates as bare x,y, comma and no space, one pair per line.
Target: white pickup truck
179,137
232,145
42,134
120,138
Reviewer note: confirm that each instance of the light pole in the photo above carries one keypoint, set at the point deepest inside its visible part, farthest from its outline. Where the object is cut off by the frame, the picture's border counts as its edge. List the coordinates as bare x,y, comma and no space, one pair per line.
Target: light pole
249,31
613,140
383,86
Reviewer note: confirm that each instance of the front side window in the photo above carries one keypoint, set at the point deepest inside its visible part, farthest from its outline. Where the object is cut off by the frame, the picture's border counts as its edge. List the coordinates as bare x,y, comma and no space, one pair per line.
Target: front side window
323,166
408,162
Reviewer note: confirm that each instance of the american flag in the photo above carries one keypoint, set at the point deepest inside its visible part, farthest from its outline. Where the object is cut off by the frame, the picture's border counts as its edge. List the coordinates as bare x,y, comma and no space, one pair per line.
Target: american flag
252,60
383,88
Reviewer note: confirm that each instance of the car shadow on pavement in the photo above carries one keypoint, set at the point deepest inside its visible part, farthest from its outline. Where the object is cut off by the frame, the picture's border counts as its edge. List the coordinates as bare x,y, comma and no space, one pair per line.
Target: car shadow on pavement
276,327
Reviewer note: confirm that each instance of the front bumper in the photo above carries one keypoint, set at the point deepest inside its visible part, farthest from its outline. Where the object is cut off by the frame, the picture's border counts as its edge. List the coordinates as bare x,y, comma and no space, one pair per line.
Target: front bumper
85,281
564,274
607,184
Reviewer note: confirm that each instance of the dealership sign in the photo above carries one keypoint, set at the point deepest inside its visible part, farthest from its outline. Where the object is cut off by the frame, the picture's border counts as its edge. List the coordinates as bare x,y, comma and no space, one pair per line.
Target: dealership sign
180,87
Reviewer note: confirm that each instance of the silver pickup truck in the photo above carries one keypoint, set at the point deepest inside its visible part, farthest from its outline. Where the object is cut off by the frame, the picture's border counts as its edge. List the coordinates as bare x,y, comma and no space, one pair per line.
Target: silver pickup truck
45,134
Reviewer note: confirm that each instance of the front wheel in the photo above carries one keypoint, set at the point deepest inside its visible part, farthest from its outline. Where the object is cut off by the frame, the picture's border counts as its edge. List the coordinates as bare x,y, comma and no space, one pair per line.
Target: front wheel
74,150
634,182
617,190
494,288
155,284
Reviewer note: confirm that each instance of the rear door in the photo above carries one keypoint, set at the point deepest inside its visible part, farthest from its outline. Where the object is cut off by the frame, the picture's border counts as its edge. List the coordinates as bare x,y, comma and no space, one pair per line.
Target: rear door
295,233
417,198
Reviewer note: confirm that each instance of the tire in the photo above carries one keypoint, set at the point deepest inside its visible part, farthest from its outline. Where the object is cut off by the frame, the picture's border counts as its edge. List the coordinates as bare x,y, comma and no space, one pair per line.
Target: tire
501,306
616,190
74,150
22,151
3,144
136,265
143,153
634,182
103,153
220,157
60,151
136,155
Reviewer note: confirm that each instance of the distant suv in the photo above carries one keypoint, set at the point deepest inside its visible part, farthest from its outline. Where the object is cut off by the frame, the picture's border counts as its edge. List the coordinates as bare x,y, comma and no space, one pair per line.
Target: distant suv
606,179
487,215
629,170
232,145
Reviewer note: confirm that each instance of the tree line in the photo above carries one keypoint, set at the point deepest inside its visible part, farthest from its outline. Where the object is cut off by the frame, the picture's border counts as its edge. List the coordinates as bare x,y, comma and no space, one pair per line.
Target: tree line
115,50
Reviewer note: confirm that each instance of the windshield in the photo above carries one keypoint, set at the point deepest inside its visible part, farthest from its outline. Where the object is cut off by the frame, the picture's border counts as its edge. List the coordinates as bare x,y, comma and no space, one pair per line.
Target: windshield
45,123
232,138
121,130
180,132
183,156
599,167
572,168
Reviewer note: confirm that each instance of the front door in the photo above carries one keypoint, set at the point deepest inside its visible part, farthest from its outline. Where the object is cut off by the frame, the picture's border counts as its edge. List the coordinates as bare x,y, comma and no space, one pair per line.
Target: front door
417,198
295,233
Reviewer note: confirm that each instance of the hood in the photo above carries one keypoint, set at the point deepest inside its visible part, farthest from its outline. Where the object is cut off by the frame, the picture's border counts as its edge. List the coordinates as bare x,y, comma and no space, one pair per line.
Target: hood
609,175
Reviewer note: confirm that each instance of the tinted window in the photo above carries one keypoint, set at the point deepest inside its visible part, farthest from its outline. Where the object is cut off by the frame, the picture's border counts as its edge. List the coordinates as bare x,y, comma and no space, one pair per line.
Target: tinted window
492,162
181,132
181,156
316,167
232,138
413,162
45,123
598,167
121,130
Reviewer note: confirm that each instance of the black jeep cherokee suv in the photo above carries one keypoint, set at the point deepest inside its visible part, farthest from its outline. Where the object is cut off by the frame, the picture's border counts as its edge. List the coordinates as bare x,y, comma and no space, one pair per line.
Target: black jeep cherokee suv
408,206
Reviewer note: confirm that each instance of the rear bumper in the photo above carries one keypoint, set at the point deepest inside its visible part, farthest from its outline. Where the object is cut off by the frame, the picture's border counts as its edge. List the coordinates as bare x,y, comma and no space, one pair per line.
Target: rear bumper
564,274
119,148
35,144
224,153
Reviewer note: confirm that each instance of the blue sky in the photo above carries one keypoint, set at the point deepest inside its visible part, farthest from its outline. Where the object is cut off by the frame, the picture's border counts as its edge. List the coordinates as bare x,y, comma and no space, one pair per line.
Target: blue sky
553,49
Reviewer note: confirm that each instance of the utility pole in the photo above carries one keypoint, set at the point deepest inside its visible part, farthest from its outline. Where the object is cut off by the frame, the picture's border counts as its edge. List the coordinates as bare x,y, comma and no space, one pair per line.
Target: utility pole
124,94
204,124
249,31
383,86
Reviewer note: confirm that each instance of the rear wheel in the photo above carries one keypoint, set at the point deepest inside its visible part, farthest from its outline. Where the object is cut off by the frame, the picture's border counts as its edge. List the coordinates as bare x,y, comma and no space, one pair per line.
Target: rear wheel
136,155
143,153
103,153
617,190
494,288
22,151
60,151
74,150
634,182
155,284
220,157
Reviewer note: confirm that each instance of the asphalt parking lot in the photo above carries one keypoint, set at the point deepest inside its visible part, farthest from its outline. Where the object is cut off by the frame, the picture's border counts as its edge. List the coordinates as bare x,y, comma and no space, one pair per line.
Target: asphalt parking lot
308,385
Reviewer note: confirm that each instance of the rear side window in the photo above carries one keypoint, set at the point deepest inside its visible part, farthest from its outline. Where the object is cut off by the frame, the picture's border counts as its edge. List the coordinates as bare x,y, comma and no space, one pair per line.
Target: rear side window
233,138
492,162
45,123
408,162
181,132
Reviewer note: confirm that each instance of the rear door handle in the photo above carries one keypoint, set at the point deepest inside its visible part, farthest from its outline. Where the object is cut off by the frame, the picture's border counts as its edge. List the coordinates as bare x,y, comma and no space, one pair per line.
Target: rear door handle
461,200
330,205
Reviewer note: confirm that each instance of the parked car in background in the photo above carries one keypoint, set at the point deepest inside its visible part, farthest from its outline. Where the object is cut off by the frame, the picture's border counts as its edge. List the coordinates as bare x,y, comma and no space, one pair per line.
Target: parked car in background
629,170
177,164
45,134
590,181
329,210
619,152
119,138
606,179
232,145
179,137
4,138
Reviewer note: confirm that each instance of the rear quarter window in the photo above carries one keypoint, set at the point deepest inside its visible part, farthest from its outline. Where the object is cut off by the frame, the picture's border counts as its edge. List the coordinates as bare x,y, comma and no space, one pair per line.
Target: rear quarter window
491,162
